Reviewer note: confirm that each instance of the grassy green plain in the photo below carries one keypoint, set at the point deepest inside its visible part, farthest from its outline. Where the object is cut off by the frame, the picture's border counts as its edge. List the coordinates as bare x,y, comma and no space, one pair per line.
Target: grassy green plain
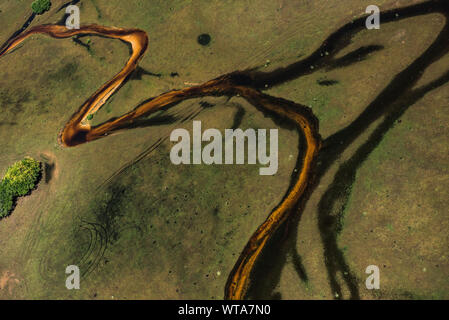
148,229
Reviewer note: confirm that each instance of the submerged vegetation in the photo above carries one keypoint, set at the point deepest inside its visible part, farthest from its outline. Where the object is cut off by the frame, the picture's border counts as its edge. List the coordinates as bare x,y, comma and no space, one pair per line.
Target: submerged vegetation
19,179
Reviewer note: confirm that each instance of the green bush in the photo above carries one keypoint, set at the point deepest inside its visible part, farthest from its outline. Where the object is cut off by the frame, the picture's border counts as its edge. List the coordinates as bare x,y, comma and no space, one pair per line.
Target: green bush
21,177
40,6
6,201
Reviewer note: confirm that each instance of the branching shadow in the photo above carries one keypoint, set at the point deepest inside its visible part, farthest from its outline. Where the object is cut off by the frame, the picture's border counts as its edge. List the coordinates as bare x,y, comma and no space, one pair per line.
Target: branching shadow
392,102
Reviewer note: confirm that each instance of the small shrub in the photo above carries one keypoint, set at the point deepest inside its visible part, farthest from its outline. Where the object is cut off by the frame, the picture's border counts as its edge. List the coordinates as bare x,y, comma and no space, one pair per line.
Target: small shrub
21,177
40,6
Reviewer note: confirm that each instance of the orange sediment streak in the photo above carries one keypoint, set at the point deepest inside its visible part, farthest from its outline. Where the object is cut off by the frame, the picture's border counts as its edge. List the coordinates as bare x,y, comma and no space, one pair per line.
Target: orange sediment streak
78,131
239,278
139,42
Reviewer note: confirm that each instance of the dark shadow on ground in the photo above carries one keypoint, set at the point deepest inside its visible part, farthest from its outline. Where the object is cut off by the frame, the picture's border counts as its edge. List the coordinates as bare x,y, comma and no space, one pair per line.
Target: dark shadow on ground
391,103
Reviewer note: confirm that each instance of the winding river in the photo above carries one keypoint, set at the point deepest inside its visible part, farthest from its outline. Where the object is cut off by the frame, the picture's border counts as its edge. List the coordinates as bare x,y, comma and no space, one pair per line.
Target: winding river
78,131
248,85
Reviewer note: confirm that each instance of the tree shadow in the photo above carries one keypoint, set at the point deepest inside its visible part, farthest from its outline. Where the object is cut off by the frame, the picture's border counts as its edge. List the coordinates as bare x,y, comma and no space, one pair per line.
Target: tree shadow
139,72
